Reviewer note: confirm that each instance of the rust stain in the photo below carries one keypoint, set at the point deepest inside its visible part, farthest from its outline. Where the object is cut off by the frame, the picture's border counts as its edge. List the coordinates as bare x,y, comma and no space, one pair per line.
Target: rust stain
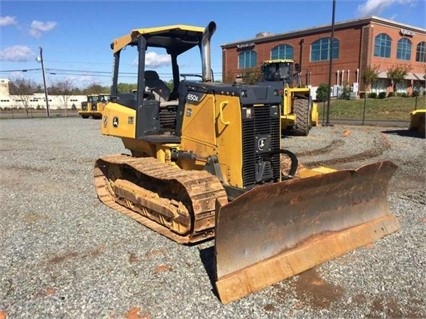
95,253
156,253
133,259
59,259
135,313
31,218
390,308
163,268
49,291
347,133
314,291
3,314
269,307
71,255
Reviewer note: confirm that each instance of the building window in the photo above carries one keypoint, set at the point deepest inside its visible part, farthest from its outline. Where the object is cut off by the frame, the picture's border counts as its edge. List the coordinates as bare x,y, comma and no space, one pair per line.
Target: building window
320,49
382,46
247,59
421,52
403,51
282,51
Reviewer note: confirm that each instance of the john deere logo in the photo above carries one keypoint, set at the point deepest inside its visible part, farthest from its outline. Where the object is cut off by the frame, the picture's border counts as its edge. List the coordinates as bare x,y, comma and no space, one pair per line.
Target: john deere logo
115,121
261,144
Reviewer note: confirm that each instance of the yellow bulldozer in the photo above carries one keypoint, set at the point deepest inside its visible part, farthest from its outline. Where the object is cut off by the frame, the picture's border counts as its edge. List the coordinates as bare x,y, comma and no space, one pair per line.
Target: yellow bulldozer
94,106
298,111
204,162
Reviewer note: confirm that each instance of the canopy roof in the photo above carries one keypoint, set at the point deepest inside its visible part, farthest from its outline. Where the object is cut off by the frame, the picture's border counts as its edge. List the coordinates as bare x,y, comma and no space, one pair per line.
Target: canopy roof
178,38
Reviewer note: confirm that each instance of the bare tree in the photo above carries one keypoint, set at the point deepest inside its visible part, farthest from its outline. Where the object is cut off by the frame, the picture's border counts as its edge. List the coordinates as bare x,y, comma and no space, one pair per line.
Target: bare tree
95,89
24,89
397,74
251,76
64,90
370,74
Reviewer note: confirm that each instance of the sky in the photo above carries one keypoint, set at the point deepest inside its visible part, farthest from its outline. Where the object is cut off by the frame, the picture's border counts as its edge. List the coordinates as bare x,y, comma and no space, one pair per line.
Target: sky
75,36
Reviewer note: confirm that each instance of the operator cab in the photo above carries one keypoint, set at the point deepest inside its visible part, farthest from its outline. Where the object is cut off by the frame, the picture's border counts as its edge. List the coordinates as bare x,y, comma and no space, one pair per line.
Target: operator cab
159,104
279,71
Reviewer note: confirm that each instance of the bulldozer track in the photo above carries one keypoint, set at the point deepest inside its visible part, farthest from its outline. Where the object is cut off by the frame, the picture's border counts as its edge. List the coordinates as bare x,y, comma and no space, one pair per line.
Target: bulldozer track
179,204
381,145
326,149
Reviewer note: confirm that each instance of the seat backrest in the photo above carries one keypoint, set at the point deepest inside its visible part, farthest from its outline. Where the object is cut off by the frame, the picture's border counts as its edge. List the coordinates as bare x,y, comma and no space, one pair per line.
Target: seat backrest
156,85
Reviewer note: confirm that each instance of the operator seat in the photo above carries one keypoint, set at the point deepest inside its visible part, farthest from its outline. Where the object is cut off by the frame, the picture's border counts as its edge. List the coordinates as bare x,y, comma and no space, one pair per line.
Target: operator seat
157,86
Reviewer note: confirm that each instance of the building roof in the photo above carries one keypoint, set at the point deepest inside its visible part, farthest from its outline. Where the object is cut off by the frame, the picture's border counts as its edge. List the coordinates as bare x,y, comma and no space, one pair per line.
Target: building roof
322,28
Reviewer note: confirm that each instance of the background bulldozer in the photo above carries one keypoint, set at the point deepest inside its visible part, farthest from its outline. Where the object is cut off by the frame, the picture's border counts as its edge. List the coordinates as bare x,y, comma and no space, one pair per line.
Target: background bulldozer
206,162
298,112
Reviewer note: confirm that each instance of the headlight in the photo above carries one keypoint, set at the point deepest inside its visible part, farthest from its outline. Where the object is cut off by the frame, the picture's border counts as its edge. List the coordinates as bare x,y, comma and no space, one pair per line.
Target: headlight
247,112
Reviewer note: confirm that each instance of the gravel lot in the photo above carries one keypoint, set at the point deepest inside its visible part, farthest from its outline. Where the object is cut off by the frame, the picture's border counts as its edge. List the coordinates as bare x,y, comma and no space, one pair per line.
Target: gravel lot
66,255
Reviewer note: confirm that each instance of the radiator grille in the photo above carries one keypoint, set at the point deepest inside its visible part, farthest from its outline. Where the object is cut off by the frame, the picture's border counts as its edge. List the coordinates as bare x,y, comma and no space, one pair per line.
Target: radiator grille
263,123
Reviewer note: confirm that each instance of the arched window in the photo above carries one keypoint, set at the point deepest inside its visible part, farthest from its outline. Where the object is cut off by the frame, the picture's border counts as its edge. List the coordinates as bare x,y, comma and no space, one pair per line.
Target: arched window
282,51
247,59
320,49
421,52
403,51
382,46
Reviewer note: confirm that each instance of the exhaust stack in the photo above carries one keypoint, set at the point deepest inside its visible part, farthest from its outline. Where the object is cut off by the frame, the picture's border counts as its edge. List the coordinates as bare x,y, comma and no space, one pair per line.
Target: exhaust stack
205,51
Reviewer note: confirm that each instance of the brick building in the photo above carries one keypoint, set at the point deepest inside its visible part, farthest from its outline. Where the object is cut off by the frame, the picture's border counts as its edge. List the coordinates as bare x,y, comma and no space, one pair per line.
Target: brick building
370,41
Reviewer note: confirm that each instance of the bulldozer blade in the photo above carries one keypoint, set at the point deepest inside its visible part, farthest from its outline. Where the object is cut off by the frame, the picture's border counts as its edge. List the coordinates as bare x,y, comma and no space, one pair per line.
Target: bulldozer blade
275,231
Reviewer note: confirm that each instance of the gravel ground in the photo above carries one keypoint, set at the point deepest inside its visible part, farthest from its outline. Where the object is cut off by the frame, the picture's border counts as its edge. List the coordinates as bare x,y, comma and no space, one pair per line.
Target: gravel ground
66,255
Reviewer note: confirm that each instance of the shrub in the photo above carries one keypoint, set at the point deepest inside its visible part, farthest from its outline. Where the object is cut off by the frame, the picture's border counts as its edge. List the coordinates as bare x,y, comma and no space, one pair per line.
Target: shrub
372,95
346,94
382,95
361,95
415,93
391,94
322,92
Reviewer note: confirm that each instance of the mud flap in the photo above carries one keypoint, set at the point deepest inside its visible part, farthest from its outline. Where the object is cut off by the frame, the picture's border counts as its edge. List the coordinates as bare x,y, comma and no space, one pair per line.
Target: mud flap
279,230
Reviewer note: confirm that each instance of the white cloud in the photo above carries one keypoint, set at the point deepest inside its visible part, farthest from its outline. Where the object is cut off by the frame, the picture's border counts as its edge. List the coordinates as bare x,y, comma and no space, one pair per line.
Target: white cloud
155,60
38,27
375,7
17,53
7,20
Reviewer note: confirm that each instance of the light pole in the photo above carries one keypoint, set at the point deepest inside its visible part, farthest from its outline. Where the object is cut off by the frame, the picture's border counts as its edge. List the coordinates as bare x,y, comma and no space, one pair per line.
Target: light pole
40,59
327,122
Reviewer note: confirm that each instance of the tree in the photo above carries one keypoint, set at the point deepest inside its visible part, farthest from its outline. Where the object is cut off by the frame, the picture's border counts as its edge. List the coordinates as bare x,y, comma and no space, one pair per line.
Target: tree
370,74
397,74
63,89
251,76
24,89
96,89
126,87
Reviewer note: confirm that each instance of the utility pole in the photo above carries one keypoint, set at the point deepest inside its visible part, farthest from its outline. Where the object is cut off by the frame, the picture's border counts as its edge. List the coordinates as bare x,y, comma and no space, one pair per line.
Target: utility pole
327,122
40,59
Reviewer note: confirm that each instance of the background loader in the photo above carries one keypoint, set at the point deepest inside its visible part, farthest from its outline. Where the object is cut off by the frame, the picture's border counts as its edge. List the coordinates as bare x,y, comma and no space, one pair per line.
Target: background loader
205,161
417,121
298,112
94,106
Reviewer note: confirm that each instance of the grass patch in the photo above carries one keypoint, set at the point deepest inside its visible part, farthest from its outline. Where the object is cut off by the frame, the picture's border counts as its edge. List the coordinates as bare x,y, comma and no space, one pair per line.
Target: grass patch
391,108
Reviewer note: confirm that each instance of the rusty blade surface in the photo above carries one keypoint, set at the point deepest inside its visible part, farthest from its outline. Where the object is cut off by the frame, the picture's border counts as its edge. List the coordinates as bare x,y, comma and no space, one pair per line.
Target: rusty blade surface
274,218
